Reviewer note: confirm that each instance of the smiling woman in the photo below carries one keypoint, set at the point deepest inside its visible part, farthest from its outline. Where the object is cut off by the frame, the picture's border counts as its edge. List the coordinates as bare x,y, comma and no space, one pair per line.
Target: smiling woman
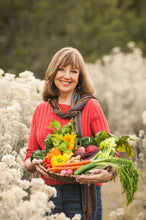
66,80
68,95
72,58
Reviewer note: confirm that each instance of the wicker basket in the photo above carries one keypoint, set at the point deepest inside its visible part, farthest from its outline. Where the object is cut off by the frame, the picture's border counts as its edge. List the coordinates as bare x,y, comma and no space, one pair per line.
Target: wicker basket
68,178
60,177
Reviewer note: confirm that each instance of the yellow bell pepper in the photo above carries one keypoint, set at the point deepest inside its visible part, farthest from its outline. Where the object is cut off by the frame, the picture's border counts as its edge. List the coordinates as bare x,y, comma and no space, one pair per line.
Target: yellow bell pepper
56,160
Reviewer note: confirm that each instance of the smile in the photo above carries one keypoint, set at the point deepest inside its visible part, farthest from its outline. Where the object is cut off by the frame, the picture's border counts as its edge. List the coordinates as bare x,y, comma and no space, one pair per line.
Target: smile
65,83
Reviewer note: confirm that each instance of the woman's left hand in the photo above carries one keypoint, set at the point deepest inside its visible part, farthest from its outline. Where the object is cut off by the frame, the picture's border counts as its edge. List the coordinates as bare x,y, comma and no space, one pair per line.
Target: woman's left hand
95,176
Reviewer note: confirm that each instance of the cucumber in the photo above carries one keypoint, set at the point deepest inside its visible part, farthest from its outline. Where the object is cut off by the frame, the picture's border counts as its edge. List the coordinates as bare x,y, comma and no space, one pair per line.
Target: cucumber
84,168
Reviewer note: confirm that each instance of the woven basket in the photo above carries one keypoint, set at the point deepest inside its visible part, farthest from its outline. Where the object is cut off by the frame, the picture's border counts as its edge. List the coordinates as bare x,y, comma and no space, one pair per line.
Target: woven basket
68,178
60,177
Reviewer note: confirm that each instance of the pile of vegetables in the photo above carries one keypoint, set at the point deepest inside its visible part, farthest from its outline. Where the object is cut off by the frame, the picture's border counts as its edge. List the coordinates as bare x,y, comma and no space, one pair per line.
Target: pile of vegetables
67,154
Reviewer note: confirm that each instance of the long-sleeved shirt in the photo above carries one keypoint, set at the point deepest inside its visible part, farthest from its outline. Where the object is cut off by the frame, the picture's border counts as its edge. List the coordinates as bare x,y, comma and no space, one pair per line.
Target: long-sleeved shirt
92,121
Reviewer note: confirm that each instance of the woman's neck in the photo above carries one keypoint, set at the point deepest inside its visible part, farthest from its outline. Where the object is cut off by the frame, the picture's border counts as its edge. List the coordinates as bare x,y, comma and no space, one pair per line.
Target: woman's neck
65,99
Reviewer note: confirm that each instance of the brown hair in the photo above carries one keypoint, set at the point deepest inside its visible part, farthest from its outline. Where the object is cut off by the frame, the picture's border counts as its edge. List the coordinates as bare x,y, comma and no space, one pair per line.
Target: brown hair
64,57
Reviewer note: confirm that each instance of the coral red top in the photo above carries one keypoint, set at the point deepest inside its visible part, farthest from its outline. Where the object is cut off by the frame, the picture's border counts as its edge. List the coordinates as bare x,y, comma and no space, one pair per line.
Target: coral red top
92,121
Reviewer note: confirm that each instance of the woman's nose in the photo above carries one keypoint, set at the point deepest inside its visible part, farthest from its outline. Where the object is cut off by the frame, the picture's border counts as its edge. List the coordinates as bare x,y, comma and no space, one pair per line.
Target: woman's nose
67,73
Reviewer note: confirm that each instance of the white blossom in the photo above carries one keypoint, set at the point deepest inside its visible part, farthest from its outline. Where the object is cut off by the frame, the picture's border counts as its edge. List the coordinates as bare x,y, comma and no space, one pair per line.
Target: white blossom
118,214
140,216
9,160
131,45
144,117
1,73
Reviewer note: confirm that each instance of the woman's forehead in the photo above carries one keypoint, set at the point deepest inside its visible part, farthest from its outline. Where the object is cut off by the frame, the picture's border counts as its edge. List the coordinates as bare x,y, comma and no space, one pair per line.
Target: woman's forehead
70,60
73,67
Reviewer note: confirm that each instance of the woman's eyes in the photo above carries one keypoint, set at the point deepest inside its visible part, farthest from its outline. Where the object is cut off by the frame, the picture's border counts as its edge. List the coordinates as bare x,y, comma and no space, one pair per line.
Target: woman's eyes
62,69
74,71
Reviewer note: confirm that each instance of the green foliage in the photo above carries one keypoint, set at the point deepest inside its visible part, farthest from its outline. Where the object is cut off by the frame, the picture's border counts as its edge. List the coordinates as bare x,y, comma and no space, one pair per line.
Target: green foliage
126,169
56,139
56,125
129,175
68,128
85,141
124,146
38,154
48,143
109,143
101,136
32,31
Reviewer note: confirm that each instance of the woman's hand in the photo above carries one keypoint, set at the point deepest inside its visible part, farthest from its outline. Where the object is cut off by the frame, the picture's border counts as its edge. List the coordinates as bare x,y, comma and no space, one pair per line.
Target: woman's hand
95,176
41,171
33,166
30,165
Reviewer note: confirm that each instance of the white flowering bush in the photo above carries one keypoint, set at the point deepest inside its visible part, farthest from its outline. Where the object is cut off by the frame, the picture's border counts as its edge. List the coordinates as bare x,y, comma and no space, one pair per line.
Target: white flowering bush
22,196
119,80
120,83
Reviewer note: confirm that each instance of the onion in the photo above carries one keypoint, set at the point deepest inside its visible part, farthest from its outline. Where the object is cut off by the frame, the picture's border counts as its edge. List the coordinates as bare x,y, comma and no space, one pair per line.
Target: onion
80,152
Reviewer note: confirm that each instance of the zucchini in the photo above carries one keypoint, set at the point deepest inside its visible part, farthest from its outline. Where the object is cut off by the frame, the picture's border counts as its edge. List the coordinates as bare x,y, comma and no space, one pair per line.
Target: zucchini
84,168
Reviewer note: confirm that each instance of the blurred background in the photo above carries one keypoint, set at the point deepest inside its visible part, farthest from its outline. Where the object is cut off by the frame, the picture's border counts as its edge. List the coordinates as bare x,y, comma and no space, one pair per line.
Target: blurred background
32,31
111,36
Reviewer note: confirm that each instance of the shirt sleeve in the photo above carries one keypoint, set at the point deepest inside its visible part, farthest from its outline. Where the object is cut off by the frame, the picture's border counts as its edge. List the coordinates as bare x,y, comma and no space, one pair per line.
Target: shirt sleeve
32,141
98,119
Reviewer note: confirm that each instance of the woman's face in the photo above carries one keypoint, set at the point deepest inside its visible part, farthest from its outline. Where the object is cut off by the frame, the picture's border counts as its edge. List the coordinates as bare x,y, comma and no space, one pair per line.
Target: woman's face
66,79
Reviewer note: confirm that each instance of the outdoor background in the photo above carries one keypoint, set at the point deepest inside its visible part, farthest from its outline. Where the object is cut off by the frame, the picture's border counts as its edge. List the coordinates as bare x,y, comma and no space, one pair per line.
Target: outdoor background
111,36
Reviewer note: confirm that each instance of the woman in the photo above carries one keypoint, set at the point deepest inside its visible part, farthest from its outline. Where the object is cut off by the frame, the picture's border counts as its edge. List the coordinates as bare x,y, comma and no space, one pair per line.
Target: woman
68,93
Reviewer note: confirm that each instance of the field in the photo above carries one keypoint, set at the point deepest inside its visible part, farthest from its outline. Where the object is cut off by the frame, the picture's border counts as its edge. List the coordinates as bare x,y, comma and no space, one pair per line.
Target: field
119,81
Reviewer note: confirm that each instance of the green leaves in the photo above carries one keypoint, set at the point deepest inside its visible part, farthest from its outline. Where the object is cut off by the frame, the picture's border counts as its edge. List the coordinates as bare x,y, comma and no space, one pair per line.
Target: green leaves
85,141
124,146
101,136
38,154
48,142
63,147
129,175
68,128
106,141
56,139
56,125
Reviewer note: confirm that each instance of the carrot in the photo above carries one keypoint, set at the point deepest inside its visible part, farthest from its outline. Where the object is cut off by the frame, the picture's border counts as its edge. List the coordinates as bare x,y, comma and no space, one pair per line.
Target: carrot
77,163
58,169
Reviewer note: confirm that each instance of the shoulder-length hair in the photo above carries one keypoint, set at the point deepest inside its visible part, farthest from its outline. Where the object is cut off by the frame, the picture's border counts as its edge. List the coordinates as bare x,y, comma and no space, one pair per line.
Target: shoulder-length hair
64,57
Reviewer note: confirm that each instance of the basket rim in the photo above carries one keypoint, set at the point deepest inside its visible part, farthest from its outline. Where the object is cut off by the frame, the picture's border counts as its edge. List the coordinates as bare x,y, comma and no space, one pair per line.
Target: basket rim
66,178
58,176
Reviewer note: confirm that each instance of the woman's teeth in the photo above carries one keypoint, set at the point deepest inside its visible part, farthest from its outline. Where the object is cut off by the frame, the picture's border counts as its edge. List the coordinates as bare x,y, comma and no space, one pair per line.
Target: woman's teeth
66,83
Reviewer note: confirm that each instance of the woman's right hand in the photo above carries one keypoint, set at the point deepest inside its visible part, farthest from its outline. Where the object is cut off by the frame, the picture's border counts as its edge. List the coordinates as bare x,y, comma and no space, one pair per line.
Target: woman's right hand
31,165
41,171
34,166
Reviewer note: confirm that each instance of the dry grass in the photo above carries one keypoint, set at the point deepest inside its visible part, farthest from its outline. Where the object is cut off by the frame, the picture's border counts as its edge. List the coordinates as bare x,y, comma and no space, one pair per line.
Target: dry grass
113,199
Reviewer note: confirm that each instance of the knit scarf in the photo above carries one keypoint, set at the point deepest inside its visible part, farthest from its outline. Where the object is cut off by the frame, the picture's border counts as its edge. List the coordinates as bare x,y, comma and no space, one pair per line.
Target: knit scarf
88,192
75,111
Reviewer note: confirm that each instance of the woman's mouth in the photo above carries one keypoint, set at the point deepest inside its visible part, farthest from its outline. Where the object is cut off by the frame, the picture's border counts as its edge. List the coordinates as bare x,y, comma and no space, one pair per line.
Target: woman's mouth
65,83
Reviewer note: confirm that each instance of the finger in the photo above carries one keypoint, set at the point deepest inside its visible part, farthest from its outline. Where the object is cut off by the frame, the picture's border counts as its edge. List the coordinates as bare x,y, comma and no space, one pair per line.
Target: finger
42,172
95,171
36,161
87,179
